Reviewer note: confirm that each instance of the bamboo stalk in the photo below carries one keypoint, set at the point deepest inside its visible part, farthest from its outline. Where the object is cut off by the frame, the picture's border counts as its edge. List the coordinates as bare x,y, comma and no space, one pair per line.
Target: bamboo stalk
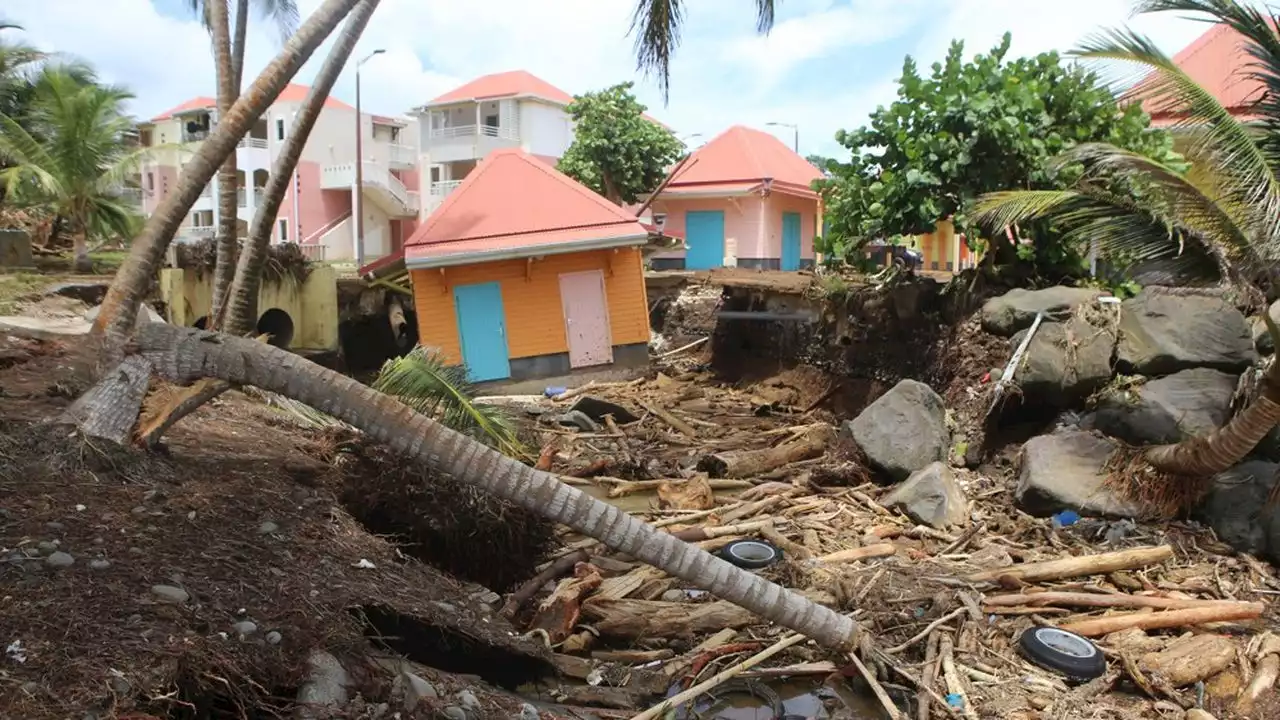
679,699
1078,566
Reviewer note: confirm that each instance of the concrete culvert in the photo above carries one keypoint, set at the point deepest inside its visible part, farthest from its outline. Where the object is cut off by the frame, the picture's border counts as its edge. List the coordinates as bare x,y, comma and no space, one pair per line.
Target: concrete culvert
276,323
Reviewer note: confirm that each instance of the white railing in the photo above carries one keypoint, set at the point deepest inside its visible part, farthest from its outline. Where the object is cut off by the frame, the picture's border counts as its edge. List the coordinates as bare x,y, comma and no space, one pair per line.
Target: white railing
314,253
197,136
441,189
240,198
252,142
459,131
130,196
316,236
204,231
375,175
402,154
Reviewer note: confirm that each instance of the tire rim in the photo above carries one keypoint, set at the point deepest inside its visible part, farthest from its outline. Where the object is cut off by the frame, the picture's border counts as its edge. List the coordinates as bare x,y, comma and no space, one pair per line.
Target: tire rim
752,551
1066,643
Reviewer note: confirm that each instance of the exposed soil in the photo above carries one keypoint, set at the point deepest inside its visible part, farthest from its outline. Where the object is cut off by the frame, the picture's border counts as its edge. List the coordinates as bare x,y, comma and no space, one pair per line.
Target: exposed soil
238,526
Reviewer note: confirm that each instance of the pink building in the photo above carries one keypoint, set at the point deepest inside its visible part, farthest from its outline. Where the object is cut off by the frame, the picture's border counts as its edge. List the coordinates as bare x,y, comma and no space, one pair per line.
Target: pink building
317,210
742,199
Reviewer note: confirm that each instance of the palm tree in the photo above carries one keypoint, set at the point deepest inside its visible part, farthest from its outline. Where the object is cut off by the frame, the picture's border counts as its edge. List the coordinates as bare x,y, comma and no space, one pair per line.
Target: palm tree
120,307
240,309
1224,208
657,24
186,354
228,52
78,167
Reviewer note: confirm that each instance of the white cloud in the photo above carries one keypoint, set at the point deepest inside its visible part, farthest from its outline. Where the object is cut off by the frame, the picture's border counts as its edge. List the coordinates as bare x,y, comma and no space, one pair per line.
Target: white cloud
825,66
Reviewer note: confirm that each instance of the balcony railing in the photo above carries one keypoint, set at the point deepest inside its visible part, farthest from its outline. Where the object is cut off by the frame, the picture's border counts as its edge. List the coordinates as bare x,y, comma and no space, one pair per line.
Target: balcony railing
313,252
441,189
197,136
461,131
252,142
402,155
204,231
258,194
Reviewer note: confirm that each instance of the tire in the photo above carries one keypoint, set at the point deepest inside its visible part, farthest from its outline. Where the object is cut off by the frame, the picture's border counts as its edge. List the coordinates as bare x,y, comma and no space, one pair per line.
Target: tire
1062,652
750,554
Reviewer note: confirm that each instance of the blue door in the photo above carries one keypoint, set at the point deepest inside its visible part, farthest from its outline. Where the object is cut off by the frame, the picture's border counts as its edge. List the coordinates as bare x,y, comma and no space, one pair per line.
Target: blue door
704,234
790,241
482,330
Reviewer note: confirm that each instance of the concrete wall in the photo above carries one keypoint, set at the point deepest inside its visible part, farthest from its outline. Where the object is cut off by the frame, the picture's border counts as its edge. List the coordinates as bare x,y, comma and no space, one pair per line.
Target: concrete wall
743,223
544,129
311,306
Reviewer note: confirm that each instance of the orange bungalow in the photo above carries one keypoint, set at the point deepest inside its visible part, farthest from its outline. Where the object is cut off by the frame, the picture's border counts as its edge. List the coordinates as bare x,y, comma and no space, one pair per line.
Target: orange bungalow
524,273
742,199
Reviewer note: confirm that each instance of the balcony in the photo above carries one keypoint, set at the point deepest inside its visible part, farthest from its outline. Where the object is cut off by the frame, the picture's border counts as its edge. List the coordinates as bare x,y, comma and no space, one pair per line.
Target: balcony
380,185
252,142
202,231
469,142
402,157
194,137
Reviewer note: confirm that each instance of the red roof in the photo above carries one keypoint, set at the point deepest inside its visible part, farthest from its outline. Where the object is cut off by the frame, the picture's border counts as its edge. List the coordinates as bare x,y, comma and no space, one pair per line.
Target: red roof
515,83
741,158
292,92
516,205
1218,61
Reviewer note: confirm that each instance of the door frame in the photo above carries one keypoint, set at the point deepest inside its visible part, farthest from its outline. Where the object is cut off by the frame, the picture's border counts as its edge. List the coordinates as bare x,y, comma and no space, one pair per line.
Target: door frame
502,325
604,304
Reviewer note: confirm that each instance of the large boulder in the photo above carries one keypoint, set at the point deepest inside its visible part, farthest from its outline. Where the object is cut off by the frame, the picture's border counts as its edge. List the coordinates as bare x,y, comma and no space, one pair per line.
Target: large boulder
1169,409
931,496
1064,471
1065,362
1017,309
1236,509
1161,334
902,431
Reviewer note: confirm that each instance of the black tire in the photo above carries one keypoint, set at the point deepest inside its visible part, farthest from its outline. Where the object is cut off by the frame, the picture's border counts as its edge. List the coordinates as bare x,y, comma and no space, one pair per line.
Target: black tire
1062,652
751,554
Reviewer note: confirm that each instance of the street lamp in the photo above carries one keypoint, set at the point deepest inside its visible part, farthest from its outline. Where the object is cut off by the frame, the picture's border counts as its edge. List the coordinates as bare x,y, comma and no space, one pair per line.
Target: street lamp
358,201
795,130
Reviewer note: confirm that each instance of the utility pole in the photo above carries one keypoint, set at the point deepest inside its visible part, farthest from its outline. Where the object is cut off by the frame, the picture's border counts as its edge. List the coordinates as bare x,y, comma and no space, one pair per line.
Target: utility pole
357,206
795,134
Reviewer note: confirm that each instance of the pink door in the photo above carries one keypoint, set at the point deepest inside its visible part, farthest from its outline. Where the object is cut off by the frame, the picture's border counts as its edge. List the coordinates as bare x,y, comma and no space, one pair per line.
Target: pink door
586,318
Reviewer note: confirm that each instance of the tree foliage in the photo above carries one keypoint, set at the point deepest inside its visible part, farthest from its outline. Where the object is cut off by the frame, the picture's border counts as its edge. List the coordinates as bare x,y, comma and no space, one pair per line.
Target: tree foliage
616,150
1219,215
969,128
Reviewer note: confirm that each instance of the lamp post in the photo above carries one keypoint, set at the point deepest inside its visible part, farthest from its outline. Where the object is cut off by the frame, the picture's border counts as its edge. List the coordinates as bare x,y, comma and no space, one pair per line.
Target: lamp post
358,200
795,133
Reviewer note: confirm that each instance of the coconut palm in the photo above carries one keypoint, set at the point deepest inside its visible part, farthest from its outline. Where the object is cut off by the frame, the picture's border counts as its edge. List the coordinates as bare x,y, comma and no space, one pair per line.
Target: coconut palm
228,53
78,164
1224,208
657,25
120,307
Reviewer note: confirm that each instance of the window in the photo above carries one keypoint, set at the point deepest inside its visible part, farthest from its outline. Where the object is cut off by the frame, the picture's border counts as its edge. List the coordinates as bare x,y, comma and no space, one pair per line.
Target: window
151,181
284,230
659,220
395,134
280,129
491,120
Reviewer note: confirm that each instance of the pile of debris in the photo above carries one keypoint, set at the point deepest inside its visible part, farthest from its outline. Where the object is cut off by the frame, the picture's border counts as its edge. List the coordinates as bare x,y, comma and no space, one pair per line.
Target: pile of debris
953,584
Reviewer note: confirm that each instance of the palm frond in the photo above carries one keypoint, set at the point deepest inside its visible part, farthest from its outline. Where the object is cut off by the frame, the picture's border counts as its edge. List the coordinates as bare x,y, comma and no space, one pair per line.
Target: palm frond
282,13
423,381
1247,176
656,25
1012,207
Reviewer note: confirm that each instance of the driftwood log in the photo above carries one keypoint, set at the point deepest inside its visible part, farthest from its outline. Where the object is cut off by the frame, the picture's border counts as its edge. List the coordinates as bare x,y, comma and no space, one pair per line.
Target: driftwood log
1095,627
755,462
1077,566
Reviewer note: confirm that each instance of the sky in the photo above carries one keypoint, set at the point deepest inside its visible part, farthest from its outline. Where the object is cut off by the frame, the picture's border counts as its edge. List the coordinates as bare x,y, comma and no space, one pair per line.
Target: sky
825,66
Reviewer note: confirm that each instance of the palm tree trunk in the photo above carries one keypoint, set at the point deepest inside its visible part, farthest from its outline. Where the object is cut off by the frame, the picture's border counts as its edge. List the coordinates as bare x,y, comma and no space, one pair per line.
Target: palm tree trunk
187,354
80,251
1210,454
237,44
227,92
120,307
241,308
